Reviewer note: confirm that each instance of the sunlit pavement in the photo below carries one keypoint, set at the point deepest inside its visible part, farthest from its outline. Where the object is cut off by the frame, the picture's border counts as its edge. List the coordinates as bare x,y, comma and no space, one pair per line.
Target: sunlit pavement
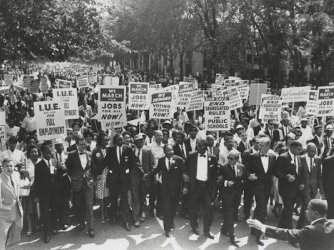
150,235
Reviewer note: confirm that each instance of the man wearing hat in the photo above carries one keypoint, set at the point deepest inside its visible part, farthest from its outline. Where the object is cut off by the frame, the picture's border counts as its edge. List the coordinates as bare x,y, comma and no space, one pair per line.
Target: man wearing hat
328,141
317,139
137,186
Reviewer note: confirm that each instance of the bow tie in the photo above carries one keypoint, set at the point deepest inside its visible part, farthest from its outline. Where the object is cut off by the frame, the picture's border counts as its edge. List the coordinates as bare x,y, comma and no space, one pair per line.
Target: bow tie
264,155
82,153
202,155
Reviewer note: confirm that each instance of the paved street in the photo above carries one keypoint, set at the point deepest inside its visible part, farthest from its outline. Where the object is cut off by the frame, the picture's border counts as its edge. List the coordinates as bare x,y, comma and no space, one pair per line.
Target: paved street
151,236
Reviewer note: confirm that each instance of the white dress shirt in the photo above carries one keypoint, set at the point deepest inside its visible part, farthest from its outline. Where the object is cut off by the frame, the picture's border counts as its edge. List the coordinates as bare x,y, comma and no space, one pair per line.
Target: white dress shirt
265,162
168,162
183,148
157,151
139,154
308,161
119,153
294,160
83,159
192,144
202,167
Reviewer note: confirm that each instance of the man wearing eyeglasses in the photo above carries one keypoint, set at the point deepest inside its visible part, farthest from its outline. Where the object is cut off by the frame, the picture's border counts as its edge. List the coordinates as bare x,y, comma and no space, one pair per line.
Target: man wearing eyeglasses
201,167
259,173
231,176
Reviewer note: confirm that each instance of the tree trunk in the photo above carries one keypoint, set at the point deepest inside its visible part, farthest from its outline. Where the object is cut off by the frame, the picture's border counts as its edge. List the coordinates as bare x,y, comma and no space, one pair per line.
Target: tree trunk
181,54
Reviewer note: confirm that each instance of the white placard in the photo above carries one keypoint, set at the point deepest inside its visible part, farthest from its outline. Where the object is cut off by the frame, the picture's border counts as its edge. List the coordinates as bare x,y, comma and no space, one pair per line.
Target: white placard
161,105
217,114
326,101
196,101
270,109
139,98
312,103
69,97
295,94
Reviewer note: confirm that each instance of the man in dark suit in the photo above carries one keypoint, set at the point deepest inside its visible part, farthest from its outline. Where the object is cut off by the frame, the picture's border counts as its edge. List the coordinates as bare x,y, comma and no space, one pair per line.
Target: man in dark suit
248,191
260,172
138,187
201,167
182,151
272,133
328,183
318,235
48,173
288,172
172,171
328,141
231,175
243,144
121,161
80,170
212,149
317,140
191,142
311,172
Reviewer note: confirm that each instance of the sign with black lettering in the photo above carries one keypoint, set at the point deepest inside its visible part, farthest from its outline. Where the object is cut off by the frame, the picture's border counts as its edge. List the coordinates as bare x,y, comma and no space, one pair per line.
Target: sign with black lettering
51,120
325,101
139,96
161,105
69,98
217,114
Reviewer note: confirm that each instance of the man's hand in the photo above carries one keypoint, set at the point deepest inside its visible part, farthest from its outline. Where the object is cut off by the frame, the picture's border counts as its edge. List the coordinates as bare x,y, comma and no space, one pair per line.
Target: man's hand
184,191
253,223
291,178
185,178
145,177
230,183
252,177
301,186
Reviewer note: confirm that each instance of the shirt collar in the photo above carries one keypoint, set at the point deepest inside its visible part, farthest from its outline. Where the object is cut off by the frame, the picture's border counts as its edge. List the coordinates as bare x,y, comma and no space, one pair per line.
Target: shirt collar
315,221
291,155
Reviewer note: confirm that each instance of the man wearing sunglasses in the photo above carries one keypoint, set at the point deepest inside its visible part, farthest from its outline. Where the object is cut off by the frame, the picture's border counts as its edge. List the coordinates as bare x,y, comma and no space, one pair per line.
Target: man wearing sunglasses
231,176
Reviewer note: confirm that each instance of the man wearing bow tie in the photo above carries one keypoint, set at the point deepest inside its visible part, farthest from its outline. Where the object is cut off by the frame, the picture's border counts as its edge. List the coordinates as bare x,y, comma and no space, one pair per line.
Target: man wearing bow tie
288,172
172,171
259,173
11,212
121,161
80,171
201,167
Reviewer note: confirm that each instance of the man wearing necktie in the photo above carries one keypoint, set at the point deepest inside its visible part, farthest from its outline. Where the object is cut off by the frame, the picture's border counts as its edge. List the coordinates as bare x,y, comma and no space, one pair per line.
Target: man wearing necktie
11,213
231,177
311,172
172,172
80,171
46,185
201,167
287,170
121,162
259,174
138,187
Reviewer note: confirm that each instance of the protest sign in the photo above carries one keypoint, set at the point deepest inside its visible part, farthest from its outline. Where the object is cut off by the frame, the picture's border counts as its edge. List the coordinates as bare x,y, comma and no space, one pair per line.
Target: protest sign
111,105
4,90
185,91
139,98
219,79
26,80
270,108
62,84
326,101
3,134
229,83
233,96
243,91
44,85
82,82
115,81
196,101
217,114
34,86
189,79
155,86
295,94
256,90
51,120
8,79
92,78
161,105
69,98
312,103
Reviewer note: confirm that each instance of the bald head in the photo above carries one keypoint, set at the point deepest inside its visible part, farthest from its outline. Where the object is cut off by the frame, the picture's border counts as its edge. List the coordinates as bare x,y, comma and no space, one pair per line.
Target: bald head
311,149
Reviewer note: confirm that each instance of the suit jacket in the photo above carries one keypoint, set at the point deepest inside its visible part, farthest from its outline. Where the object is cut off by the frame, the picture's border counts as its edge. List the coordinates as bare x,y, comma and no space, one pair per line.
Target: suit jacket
79,175
98,161
188,145
228,174
312,179
46,183
172,178
9,196
147,163
282,130
326,146
264,180
284,167
178,152
328,177
241,147
319,236
119,173
191,170
316,141
274,138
